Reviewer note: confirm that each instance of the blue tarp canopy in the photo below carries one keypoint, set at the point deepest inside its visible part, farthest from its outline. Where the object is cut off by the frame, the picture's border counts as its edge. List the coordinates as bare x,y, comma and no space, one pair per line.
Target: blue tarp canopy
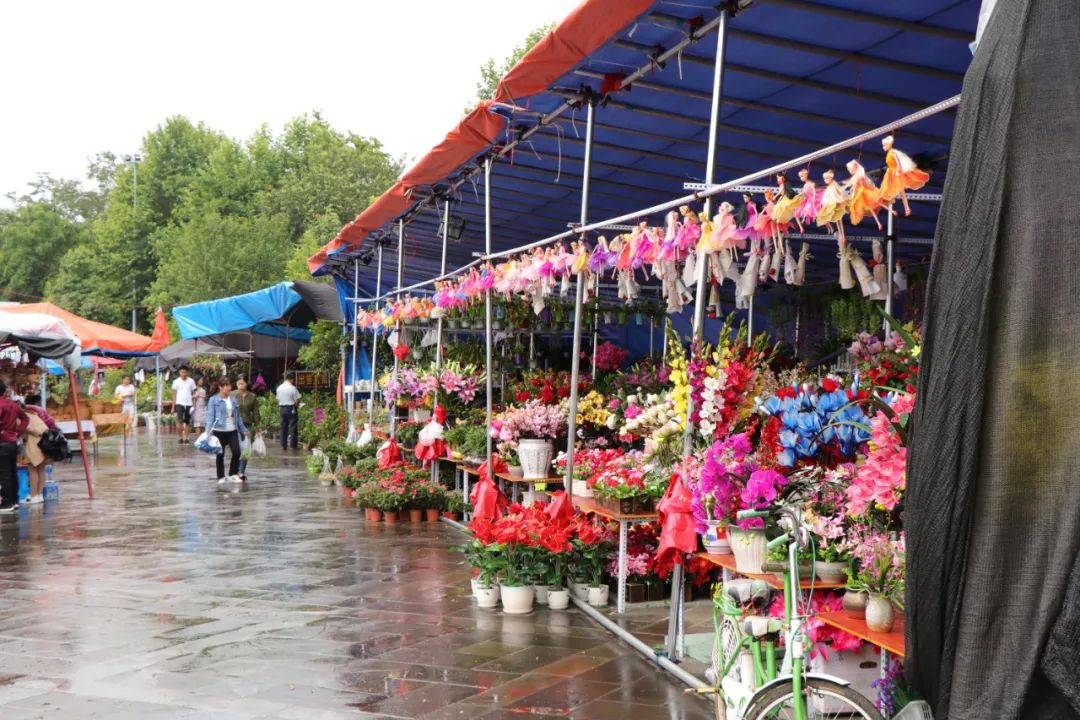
799,76
282,310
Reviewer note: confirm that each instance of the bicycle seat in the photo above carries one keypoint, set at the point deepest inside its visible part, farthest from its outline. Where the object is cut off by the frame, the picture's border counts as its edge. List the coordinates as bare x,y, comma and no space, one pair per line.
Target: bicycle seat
744,592
762,627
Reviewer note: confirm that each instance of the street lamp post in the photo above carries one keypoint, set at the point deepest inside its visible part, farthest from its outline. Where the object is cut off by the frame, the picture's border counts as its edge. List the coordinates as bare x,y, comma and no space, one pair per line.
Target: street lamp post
133,161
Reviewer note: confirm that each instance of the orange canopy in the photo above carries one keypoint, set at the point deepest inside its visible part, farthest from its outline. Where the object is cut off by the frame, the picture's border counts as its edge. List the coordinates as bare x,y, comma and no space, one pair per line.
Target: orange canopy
96,338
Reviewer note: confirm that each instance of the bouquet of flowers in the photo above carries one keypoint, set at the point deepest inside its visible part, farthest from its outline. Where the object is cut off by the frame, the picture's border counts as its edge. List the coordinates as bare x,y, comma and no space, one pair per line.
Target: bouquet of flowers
546,386
610,357
822,424
534,420
411,387
732,479
460,381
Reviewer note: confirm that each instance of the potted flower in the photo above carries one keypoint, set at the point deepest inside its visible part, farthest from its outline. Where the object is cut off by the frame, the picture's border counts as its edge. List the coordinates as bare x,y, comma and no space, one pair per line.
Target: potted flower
881,576
434,501
593,545
513,462
532,427
453,507
487,561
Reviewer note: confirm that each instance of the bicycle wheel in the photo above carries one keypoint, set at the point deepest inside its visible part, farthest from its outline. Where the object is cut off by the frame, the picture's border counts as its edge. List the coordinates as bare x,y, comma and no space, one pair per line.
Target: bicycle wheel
825,700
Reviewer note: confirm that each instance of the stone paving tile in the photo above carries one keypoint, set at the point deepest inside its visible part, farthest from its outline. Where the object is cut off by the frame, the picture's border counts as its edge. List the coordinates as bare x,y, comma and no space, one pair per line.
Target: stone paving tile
168,599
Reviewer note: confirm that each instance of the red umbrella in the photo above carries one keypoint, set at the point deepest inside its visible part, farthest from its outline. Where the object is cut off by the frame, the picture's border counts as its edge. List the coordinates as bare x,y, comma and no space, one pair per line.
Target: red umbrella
678,533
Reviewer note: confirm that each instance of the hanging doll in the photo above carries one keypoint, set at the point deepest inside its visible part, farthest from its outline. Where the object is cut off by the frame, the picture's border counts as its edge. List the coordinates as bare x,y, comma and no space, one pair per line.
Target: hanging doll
881,272
901,175
562,263
809,199
787,204
862,272
864,198
800,269
666,267
686,244
833,207
624,247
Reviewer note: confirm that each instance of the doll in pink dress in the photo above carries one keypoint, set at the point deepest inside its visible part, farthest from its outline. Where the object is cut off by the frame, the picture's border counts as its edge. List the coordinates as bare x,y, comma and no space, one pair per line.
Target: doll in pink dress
809,200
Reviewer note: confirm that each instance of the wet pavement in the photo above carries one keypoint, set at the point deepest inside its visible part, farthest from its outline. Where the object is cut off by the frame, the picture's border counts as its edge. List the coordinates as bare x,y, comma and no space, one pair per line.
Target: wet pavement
166,597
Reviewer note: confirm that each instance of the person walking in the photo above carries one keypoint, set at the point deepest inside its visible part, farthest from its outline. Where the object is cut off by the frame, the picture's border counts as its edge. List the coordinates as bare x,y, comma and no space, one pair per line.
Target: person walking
125,393
13,423
224,420
249,413
183,392
40,421
288,400
198,409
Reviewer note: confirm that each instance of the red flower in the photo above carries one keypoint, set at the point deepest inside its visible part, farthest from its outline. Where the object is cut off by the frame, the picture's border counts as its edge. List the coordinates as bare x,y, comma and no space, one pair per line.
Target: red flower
401,351
829,385
522,396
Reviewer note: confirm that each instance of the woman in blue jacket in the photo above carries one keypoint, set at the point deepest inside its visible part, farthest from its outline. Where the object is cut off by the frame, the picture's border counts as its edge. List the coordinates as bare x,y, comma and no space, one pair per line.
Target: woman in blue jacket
223,419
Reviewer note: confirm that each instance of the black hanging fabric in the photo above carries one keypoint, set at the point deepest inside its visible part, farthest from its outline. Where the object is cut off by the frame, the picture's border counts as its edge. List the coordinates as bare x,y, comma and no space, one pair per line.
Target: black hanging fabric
993,501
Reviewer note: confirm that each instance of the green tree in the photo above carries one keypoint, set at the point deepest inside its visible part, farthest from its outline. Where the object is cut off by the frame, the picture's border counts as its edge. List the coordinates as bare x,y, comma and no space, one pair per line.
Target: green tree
324,229
323,353
33,239
492,72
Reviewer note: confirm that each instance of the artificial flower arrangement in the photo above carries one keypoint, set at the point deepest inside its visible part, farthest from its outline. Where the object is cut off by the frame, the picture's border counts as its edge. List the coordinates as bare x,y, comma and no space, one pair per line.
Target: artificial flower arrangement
410,387
545,386
610,357
627,484
534,420
817,424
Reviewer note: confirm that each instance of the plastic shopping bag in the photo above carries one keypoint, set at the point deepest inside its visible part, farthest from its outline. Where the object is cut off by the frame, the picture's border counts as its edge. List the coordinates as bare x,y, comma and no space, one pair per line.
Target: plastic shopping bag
258,446
245,447
208,444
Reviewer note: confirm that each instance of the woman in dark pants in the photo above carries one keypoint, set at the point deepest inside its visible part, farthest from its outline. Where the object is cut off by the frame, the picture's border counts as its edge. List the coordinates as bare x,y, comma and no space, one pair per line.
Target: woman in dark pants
224,420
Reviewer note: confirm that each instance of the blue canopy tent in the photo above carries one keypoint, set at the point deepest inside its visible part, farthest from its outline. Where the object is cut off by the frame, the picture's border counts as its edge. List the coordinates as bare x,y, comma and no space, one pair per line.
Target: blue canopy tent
798,76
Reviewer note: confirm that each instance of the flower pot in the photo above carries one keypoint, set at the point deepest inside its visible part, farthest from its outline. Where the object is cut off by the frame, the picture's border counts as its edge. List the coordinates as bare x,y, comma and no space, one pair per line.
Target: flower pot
347,492
582,490
420,415
431,515
715,538
750,548
515,470
598,596
880,614
389,516
372,514
558,598
487,597
474,583
452,516
855,604
516,600
416,515
540,592
580,590
535,458
831,572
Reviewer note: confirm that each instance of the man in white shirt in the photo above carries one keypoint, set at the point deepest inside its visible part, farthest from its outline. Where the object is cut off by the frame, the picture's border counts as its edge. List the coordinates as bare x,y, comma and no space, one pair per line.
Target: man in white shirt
183,392
288,400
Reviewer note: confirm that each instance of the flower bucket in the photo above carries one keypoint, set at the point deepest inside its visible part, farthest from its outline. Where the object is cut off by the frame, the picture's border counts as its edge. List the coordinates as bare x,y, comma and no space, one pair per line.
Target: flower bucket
515,471
535,458
431,515
416,515
487,597
750,548
558,598
598,596
581,489
715,539
516,600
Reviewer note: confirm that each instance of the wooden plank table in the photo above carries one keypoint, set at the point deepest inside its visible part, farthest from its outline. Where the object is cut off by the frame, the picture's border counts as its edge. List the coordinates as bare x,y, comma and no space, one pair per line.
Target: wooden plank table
588,505
727,562
892,642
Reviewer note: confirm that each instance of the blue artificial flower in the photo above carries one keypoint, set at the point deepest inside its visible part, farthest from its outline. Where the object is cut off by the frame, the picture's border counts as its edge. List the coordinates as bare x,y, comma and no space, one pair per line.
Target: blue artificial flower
789,438
786,458
772,405
806,448
790,420
809,424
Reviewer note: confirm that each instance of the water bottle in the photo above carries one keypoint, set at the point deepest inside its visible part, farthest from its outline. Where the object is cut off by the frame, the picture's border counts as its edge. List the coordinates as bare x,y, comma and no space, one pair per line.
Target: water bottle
52,490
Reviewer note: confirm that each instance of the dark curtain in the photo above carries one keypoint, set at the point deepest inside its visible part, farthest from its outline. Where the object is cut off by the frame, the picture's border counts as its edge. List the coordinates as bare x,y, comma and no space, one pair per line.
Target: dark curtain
993,506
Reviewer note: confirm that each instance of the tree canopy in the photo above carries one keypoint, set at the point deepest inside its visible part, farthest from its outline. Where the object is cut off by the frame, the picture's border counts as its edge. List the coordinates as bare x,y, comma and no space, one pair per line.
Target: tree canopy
492,71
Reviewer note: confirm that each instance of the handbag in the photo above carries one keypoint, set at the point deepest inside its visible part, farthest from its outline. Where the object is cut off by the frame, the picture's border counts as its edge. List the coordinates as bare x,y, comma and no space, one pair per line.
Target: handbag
54,445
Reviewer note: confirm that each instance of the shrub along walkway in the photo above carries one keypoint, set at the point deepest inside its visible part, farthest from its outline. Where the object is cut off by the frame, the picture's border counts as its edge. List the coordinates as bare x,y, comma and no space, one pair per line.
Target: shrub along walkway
169,598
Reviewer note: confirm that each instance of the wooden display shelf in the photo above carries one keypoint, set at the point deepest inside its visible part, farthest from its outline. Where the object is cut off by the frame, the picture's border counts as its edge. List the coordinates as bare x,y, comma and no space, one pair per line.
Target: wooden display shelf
728,562
588,505
892,641
507,477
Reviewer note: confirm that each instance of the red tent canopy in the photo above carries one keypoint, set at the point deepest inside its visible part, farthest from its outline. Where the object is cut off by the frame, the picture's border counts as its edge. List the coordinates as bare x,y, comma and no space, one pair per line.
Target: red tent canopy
96,338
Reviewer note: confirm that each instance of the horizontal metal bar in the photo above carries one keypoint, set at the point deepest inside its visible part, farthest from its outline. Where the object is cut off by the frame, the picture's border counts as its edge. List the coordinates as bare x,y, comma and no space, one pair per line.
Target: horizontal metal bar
928,197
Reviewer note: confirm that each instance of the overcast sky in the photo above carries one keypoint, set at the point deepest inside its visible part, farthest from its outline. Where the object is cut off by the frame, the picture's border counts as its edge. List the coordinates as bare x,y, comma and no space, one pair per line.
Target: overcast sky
82,77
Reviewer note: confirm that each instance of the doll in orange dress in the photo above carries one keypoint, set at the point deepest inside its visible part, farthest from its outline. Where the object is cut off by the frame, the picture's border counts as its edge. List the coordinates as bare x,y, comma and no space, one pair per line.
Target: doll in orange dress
865,199
901,175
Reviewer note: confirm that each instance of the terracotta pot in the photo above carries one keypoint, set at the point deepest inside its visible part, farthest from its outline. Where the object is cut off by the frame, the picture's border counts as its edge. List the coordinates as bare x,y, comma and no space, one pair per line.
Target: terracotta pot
390,517
367,513
431,515
880,614
452,516
416,515
855,604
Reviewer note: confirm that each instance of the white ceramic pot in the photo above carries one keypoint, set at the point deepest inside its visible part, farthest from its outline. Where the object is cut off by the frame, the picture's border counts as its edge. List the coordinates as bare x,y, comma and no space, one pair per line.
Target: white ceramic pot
535,458
515,470
473,582
517,600
580,590
880,614
750,548
715,539
487,597
558,598
540,592
855,604
598,596
581,490
831,572
420,415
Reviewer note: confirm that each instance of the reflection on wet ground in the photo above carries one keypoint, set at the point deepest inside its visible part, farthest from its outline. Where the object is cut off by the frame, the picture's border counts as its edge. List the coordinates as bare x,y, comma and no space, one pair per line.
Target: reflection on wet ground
168,598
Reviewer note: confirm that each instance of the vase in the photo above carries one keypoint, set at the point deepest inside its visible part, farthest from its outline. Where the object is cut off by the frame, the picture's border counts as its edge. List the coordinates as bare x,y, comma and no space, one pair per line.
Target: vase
515,470
715,539
558,598
389,516
580,590
420,415
750,548
598,596
487,597
535,458
831,572
516,599
880,614
540,592
855,604
431,515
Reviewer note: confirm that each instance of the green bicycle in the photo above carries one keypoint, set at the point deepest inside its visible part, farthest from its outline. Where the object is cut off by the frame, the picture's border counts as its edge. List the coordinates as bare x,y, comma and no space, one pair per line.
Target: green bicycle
749,683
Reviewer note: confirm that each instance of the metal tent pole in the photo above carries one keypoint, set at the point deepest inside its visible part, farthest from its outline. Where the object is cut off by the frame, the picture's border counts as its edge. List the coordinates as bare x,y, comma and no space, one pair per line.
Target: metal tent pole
595,322
439,322
750,320
375,342
400,328
890,238
675,616
355,342
157,380
579,301
487,317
